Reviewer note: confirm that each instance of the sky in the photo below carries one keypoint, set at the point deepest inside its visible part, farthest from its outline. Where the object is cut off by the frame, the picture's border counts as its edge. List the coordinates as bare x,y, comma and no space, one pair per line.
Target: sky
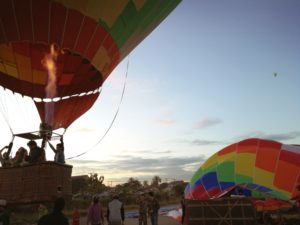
212,73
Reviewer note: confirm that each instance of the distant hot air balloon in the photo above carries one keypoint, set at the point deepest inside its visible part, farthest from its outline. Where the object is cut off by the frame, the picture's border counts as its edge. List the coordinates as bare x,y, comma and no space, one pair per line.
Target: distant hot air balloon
263,167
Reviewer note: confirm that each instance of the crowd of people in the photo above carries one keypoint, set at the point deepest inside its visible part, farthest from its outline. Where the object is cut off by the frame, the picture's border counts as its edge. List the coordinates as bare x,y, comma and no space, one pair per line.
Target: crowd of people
115,215
35,154
148,206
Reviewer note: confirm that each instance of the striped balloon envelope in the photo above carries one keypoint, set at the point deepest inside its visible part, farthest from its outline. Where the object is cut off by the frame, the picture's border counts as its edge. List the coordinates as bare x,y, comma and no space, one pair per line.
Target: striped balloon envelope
263,167
92,36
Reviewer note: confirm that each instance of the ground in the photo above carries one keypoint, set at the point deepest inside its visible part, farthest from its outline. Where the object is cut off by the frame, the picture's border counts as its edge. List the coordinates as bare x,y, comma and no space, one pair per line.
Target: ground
163,220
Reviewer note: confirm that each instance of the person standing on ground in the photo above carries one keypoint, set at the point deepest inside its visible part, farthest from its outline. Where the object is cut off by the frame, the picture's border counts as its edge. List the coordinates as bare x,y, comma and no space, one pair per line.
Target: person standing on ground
153,208
95,213
41,211
182,202
142,209
76,217
115,212
4,213
56,217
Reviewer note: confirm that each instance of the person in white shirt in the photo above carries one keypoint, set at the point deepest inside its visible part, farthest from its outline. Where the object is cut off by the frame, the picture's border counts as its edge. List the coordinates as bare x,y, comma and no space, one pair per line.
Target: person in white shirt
115,212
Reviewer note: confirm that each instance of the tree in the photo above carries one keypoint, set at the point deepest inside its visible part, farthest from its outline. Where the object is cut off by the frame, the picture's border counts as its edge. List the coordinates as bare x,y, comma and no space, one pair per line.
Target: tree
179,188
163,186
145,184
95,183
156,180
79,183
133,184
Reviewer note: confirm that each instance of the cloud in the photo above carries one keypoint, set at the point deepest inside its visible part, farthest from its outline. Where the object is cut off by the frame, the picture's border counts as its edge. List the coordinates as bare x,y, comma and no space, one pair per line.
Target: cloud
121,169
204,142
282,137
166,112
276,137
207,122
145,151
166,121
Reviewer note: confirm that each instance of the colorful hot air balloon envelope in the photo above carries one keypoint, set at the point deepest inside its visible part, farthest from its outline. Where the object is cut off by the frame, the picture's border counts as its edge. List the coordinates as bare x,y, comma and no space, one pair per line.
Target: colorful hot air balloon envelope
263,167
92,38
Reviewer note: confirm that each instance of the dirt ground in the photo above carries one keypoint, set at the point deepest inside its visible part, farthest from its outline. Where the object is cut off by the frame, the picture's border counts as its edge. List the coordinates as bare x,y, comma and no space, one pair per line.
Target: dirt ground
162,220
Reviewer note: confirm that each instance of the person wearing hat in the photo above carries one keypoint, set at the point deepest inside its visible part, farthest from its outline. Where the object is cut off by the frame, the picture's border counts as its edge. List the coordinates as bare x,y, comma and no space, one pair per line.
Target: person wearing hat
115,212
36,154
4,214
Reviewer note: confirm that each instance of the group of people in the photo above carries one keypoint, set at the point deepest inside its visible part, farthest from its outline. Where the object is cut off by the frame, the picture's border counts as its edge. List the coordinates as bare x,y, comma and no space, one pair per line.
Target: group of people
21,157
36,154
148,205
115,212
95,216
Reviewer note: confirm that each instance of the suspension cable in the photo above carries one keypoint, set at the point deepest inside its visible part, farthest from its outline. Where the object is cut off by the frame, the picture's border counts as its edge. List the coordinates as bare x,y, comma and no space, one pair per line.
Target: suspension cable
4,110
113,120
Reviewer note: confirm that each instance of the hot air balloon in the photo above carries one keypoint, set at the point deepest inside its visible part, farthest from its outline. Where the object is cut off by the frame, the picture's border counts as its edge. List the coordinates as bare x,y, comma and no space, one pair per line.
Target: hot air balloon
80,42
262,168
93,37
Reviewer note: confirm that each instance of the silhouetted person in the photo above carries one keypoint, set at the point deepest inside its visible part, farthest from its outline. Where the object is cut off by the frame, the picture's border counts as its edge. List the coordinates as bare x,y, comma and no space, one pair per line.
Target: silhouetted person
5,160
142,203
56,217
153,208
20,157
59,151
4,213
182,202
36,154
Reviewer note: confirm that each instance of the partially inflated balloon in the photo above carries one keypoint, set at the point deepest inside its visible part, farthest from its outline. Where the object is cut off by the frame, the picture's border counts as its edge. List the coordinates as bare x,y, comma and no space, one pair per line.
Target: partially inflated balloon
263,167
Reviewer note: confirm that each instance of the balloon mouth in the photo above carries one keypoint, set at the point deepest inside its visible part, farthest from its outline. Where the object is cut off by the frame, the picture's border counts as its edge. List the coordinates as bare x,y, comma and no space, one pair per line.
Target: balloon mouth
45,131
22,71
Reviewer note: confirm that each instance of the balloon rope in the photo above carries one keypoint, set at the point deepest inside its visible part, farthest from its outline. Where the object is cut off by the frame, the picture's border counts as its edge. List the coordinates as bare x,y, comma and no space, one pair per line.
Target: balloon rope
113,120
4,111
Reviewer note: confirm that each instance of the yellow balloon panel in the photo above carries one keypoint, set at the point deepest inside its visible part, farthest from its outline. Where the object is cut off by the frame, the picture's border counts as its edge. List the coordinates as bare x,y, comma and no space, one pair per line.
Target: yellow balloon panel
245,164
263,177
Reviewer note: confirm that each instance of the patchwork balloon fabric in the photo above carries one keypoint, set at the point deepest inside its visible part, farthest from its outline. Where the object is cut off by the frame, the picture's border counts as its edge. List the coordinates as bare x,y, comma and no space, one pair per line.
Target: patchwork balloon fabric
263,167
91,38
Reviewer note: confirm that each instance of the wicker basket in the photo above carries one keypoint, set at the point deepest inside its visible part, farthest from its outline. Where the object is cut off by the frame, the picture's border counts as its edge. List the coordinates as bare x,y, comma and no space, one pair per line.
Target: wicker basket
40,182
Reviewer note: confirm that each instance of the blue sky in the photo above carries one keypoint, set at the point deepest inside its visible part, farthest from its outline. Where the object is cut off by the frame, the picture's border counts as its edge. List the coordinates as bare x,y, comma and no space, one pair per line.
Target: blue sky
201,80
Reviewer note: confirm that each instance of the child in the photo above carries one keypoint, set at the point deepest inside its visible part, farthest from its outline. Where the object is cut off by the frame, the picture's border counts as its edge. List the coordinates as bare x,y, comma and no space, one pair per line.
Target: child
76,217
